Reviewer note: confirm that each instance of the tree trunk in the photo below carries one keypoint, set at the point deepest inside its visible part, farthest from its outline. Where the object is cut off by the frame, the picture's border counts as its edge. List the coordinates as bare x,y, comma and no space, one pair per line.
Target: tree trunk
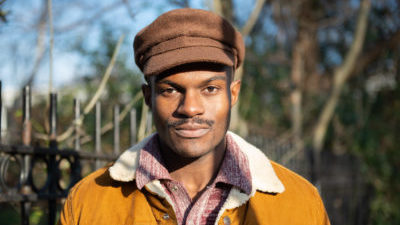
340,76
225,9
304,61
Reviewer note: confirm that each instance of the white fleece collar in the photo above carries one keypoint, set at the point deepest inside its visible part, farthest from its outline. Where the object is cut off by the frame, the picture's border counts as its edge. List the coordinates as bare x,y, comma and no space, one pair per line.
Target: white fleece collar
263,175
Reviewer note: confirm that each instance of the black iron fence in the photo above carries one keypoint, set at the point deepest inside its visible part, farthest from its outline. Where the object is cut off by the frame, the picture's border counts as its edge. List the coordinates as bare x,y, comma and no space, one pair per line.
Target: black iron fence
58,168
31,174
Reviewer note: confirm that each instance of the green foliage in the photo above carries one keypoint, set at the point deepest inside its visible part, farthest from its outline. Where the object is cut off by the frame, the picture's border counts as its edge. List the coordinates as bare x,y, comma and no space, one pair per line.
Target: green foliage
365,124
37,216
9,214
377,144
264,89
370,129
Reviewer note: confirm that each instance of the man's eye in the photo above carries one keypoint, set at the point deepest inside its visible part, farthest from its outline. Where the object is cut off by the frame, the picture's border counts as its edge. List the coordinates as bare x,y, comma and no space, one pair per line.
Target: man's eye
168,91
211,89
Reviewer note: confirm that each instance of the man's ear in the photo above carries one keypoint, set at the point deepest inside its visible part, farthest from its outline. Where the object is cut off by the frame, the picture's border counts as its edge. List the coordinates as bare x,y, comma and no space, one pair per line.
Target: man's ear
146,89
235,89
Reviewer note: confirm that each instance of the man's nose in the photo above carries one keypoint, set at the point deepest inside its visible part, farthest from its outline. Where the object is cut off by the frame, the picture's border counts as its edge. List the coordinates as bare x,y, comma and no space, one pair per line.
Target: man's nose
191,105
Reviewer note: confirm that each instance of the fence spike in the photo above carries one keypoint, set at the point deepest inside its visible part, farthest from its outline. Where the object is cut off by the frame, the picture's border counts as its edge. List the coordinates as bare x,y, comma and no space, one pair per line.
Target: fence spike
26,111
77,110
98,133
53,116
116,130
26,132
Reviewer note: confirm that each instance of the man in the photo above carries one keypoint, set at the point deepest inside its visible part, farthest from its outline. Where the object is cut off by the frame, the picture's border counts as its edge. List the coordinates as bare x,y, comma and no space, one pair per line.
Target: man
192,171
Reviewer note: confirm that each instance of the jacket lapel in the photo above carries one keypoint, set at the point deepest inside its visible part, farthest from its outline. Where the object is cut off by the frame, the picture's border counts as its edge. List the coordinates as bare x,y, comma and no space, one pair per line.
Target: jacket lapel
263,176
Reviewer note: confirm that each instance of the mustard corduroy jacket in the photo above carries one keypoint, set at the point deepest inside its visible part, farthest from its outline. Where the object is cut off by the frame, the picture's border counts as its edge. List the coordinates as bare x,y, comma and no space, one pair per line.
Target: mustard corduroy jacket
109,196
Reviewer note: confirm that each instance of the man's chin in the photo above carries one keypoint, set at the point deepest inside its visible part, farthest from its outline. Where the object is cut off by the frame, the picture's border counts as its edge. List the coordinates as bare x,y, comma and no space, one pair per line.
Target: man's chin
189,149
192,145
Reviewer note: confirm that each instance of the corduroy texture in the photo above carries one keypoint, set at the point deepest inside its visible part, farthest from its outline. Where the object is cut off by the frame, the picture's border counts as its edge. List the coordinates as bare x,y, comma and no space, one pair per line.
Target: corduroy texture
185,36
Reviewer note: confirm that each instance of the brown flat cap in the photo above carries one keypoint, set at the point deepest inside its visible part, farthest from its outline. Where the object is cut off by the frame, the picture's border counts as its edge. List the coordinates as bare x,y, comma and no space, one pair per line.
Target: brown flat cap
184,36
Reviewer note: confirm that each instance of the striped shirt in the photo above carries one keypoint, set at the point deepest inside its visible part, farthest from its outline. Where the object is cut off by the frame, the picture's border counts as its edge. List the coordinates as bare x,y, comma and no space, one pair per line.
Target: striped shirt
234,172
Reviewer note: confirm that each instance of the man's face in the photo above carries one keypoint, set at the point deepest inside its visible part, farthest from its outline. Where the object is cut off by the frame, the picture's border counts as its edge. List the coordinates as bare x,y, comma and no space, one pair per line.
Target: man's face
191,107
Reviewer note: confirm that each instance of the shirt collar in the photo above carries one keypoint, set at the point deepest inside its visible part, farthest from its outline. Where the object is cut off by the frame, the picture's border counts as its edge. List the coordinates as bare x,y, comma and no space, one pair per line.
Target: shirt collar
234,169
263,176
151,166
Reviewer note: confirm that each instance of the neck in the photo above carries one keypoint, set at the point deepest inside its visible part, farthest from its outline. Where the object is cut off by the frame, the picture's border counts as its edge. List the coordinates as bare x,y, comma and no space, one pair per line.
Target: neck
194,173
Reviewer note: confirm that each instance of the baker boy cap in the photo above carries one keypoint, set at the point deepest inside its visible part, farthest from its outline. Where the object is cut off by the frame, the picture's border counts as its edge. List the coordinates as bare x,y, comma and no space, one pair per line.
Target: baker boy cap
185,36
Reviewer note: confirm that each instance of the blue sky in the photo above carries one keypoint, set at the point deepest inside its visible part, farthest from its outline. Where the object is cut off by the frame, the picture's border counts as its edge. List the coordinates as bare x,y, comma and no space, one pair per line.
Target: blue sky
18,36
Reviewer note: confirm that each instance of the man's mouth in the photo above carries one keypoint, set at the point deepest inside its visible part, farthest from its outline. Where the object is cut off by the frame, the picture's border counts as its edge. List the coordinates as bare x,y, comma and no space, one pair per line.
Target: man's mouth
191,130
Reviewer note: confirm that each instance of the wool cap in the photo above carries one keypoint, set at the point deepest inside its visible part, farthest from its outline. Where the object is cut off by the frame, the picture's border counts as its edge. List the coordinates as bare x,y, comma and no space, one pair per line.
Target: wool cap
185,36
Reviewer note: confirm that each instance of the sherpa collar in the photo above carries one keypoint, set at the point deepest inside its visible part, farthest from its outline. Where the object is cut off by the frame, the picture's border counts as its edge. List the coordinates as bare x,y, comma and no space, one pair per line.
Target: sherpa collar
263,175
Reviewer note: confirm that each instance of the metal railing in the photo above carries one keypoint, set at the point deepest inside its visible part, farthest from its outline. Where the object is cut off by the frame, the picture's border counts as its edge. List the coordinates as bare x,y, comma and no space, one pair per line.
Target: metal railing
22,160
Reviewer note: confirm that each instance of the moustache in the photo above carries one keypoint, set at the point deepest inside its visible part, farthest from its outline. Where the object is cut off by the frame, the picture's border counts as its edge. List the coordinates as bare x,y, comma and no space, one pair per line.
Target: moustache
192,120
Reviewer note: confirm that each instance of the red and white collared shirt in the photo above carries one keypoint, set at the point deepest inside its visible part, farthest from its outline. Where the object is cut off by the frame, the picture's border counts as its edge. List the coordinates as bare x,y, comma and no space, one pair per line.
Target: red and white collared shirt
234,172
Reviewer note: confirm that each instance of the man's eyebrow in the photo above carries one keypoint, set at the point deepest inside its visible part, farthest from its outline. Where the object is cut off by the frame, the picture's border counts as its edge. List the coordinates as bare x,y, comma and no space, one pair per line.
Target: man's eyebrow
218,77
170,83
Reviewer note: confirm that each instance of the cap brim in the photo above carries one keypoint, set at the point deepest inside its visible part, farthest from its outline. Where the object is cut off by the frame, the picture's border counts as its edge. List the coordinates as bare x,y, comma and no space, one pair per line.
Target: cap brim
168,60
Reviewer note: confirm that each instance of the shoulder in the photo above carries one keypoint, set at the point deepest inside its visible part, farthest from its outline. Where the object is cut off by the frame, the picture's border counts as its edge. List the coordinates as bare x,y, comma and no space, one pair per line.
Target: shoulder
300,201
92,200
100,174
292,181
100,182
98,190
297,188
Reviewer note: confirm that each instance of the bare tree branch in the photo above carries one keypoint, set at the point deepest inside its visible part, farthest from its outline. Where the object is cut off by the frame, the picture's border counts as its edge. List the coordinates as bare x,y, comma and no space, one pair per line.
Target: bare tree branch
237,122
129,9
253,18
94,99
375,52
109,126
106,76
180,3
40,46
90,19
341,74
224,8
345,14
3,13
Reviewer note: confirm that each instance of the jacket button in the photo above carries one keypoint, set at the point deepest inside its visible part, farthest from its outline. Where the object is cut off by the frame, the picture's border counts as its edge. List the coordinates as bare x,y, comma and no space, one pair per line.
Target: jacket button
165,216
227,220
